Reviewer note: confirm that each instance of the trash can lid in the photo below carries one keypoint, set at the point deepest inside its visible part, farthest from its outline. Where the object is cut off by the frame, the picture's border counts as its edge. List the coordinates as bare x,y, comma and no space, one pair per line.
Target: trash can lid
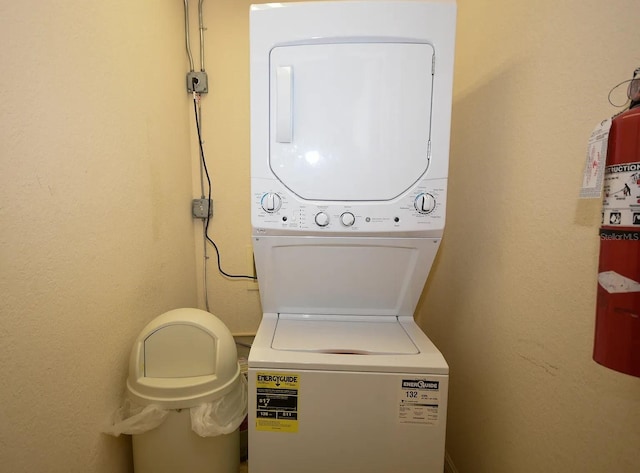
182,358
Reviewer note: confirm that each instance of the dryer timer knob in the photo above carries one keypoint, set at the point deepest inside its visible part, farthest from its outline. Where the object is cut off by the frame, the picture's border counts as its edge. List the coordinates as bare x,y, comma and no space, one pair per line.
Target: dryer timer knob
271,202
425,203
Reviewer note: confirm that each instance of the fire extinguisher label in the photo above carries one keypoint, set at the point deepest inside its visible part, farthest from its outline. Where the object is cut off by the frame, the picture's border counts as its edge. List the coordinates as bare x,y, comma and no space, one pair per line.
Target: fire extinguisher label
594,166
625,235
621,203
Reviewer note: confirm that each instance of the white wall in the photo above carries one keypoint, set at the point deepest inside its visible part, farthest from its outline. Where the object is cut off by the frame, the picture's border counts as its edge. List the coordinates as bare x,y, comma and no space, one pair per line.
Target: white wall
511,301
96,235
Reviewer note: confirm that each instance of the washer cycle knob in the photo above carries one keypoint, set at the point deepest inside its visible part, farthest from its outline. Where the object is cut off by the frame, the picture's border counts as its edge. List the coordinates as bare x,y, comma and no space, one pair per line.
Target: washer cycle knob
322,219
347,219
271,202
425,203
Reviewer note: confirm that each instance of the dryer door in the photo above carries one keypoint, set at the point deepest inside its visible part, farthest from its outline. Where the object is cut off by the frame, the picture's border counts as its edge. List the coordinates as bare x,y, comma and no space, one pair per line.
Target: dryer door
350,121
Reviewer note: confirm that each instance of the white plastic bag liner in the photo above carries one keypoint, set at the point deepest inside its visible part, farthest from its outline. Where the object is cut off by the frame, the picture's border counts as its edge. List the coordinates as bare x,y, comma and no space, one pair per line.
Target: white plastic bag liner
222,416
219,417
133,419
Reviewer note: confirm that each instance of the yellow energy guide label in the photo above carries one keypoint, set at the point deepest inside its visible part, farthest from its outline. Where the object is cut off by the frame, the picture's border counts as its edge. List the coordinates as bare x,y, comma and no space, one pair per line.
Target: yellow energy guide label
277,401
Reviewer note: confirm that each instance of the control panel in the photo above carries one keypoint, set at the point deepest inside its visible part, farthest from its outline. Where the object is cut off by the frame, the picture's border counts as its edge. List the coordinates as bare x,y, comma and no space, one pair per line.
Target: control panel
276,208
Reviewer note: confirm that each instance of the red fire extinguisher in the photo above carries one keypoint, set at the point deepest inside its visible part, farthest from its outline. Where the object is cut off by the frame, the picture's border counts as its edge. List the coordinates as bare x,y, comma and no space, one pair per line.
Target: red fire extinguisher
617,339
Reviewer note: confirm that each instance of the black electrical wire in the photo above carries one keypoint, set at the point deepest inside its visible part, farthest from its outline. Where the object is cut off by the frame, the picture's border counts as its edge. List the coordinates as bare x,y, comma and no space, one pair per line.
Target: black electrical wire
206,222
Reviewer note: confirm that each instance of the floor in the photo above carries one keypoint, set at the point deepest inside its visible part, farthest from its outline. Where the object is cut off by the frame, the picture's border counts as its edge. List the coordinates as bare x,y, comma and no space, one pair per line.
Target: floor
244,468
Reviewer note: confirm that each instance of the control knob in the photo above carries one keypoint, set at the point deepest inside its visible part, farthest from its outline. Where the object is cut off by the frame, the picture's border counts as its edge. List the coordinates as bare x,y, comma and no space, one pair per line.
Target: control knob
347,219
271,202
322,219
425,203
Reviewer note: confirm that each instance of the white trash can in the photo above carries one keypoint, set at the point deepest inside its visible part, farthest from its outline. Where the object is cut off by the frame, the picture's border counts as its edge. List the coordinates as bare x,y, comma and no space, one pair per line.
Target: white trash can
186,396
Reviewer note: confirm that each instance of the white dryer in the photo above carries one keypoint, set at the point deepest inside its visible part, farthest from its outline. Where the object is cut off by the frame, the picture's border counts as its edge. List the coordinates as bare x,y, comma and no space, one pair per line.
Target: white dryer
350,119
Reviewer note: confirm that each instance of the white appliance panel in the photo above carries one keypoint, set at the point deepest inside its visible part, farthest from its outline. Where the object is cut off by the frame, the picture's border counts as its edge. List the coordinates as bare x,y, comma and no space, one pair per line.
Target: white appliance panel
402,217
350,422
340,334
351,121
342,275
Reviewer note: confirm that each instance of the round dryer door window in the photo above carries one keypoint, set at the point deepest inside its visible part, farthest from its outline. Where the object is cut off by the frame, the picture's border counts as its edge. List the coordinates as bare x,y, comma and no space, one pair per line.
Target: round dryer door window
350,121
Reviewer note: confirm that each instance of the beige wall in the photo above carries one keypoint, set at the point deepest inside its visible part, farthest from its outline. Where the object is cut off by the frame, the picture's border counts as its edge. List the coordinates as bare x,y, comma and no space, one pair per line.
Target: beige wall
225,115
96,160
511,299
96,237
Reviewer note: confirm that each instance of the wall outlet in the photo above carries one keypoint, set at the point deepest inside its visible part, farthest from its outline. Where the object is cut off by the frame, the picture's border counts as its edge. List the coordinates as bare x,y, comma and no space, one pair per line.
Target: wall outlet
201,208
252,285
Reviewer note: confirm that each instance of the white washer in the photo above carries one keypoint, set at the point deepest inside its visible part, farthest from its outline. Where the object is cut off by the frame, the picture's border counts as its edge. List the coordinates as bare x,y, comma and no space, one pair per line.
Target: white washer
350,117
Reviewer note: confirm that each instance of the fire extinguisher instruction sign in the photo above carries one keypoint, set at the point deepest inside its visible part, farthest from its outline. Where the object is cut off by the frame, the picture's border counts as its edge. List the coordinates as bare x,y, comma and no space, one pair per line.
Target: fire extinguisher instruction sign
621,203
596,157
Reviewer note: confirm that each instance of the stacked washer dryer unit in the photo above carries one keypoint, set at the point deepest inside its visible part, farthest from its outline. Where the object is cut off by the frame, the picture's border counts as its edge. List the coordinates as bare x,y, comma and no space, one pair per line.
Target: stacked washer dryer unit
350,119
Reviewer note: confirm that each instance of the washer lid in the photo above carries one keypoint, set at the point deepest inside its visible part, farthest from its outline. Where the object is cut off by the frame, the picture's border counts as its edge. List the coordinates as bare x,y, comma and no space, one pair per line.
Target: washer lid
359,335
350,120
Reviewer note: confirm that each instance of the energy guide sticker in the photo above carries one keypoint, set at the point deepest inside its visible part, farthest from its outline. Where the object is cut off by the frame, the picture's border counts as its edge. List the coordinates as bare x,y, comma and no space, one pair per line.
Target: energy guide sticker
277,401
419,401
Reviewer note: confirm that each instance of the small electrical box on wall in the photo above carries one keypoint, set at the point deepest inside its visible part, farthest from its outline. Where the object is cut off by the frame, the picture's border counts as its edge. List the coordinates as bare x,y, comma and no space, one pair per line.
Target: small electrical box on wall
201,208
197,82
